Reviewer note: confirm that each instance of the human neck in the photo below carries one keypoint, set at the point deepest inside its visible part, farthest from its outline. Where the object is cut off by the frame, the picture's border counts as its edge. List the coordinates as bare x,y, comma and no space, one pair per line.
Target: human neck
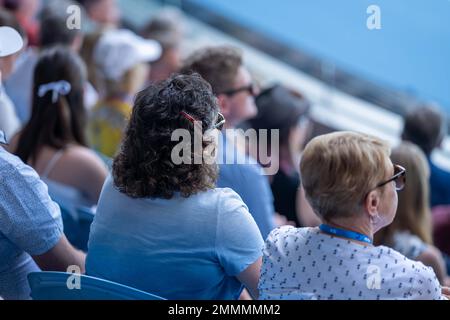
229,125
359,225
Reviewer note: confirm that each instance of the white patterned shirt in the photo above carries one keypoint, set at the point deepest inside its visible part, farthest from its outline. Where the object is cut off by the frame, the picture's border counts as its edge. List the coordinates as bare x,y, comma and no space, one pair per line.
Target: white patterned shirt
304,263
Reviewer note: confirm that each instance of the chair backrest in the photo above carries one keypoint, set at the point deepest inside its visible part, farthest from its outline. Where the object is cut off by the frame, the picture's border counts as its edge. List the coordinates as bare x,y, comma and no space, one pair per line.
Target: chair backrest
76,216
77,223
48,285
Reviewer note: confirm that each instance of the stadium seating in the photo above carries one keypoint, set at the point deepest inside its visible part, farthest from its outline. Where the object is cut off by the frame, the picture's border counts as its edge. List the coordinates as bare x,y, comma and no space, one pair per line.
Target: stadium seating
55,286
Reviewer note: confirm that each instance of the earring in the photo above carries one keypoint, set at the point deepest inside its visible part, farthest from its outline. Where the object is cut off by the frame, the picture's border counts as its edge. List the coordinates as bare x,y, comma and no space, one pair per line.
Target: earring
375,219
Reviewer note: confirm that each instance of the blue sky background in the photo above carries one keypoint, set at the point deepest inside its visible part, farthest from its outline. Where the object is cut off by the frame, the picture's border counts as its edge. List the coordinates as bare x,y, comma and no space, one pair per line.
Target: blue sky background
410,53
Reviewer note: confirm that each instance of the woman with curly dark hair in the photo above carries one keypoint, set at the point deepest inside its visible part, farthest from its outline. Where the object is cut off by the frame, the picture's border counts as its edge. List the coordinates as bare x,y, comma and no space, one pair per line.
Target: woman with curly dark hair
161,225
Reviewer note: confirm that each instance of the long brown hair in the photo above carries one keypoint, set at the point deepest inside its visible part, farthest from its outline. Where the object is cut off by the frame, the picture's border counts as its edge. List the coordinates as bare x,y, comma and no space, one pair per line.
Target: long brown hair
413,212
55,124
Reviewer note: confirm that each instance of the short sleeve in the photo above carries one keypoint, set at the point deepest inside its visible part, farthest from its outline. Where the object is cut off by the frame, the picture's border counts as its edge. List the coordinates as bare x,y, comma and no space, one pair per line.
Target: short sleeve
28,217
426,286
270,248
238,240
252,185
258,197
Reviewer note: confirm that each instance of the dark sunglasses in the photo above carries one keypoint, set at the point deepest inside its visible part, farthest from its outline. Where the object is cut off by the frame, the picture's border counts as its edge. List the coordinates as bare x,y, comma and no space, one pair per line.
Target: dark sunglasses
252,89
399,177
218,125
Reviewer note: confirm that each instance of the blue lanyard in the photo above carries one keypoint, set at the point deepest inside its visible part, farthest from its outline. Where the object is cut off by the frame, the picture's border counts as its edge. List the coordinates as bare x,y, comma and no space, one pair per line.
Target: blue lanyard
345,233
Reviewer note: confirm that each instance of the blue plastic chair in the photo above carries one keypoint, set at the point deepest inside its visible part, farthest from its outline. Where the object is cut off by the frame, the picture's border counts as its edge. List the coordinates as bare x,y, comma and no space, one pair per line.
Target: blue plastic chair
48,285
77,224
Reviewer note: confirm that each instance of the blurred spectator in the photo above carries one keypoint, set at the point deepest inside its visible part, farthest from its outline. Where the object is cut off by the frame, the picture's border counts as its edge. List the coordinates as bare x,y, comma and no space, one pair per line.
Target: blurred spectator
181,237
26,13
232,83
426,126
87,53
105,14
441,230
19,85
122,61
411,231
352,185
30,222
9,121
285,110
53,141
166,27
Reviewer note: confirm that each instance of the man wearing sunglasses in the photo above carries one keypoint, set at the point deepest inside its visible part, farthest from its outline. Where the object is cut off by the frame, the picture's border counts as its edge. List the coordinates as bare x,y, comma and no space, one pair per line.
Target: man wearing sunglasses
232,84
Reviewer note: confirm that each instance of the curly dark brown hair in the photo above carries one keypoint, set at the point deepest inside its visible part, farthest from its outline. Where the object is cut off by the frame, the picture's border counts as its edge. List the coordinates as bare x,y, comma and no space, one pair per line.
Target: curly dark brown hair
144,167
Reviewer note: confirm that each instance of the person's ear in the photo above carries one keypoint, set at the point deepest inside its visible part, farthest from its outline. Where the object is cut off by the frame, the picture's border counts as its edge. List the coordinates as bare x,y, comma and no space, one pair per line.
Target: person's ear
371,203
224,104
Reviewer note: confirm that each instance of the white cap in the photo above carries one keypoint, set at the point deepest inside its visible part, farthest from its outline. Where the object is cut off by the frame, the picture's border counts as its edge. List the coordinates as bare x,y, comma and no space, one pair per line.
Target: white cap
10,41
117,51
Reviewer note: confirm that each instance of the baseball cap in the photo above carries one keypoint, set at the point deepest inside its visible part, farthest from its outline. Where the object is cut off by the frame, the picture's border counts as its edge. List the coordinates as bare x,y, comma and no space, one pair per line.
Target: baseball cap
117,51
10,41
278,107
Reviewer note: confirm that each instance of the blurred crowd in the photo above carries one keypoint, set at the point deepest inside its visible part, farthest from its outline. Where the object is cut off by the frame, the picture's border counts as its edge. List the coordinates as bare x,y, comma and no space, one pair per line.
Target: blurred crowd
86,119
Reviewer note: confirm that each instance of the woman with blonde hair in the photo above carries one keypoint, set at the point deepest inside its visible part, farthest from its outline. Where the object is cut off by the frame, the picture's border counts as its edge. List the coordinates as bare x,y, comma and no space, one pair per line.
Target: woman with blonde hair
411,231
351,184
121,58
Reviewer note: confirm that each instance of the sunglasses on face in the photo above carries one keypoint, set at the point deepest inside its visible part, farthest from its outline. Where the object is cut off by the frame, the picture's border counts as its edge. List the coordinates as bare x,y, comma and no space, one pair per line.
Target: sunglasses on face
252,89
218,125
399,178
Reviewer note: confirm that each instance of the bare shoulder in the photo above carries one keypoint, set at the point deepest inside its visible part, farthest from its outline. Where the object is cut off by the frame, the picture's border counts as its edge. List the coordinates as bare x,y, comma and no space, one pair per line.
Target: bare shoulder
79,154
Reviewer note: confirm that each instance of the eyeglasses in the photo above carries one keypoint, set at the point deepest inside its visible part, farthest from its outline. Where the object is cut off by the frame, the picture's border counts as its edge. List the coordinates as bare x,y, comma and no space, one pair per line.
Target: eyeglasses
399,177
220,122
252,89
218,125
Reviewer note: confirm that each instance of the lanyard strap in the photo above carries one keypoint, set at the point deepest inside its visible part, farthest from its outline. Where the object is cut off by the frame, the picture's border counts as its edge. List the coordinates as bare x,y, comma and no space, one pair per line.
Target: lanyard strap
345,233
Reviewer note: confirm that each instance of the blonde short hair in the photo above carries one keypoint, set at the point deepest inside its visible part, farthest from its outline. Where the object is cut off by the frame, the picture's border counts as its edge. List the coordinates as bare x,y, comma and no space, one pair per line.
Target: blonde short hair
339,169
131,81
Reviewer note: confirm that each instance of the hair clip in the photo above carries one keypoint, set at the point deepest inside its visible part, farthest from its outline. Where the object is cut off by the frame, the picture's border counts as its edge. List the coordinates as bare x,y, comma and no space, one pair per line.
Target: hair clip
58,88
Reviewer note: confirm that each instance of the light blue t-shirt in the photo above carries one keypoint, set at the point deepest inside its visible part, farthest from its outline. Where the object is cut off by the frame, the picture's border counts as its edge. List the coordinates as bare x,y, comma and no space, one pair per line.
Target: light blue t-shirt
179,248
30,224
245,176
